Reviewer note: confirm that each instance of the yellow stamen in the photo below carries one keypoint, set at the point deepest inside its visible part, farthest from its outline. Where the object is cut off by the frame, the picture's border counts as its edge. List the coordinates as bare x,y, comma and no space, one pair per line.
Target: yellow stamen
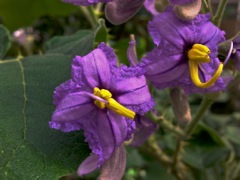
202,48
198,54
111,104
119,109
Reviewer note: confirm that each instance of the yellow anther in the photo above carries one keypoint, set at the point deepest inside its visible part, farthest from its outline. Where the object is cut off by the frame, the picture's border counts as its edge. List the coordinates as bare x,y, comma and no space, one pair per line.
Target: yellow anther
99,104
119,109
111,103
96,91
105,94
202,48
198,54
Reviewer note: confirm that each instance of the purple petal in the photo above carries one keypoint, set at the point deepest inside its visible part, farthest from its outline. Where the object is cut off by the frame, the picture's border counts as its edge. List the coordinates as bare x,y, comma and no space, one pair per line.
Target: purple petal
110,124
95,69
120,11
84,2
173,33
73,107
115,166
106,132
144,128
155,59
150,6
136,96
211,36
88,165
170,75
64,89
164,32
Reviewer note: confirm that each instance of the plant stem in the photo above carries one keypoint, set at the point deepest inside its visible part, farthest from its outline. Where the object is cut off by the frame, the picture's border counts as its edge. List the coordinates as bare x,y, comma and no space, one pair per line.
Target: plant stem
206,102
166,124
98,9
207,6
220,11
156,151
90,15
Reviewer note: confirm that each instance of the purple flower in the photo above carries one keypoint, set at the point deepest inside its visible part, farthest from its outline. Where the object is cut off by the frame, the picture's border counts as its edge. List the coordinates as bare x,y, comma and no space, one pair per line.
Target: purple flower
116,11
236,52
186,54
102,100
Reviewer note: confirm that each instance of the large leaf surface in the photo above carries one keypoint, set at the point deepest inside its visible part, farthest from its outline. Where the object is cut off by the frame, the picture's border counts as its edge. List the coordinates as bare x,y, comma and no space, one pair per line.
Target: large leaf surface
16,14
79,43
29,149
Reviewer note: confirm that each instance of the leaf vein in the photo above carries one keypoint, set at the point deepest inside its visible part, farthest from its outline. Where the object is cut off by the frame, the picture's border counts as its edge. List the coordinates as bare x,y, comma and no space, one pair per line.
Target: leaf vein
24,98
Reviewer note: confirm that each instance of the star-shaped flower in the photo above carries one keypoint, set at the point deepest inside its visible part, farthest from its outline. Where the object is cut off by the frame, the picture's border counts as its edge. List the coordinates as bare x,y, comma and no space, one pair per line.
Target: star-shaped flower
103,100
186,53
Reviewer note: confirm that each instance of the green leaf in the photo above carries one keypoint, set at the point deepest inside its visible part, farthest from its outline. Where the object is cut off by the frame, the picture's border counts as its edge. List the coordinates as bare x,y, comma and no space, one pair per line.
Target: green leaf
233,134
16,14
101,33
5,41
79,43
156,171
29,148
213,136
205,149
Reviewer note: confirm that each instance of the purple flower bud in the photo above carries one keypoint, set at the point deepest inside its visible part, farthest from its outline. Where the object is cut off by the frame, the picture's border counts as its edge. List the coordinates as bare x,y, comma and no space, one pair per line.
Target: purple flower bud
120,11
115,166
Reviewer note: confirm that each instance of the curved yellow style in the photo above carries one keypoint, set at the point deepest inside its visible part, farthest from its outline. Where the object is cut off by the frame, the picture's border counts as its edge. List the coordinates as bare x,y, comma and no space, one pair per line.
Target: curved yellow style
199,54
111,104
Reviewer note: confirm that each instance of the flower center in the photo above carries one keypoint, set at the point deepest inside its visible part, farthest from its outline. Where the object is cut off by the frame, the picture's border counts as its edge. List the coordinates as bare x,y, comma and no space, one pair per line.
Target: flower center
200,54
110,103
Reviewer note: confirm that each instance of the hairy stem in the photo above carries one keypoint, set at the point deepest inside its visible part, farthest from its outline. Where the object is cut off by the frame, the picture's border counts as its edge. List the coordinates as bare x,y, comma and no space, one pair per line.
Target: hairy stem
206,102
152,146
166,124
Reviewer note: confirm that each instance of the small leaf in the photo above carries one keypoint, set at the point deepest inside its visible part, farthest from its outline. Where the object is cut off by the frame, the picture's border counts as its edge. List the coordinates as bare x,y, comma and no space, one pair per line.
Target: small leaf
233,134
213,138
5,41
205,149
101,33
79,43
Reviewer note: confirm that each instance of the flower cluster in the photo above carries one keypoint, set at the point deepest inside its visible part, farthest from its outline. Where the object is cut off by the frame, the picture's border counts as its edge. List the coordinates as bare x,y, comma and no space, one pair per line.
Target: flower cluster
108,102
